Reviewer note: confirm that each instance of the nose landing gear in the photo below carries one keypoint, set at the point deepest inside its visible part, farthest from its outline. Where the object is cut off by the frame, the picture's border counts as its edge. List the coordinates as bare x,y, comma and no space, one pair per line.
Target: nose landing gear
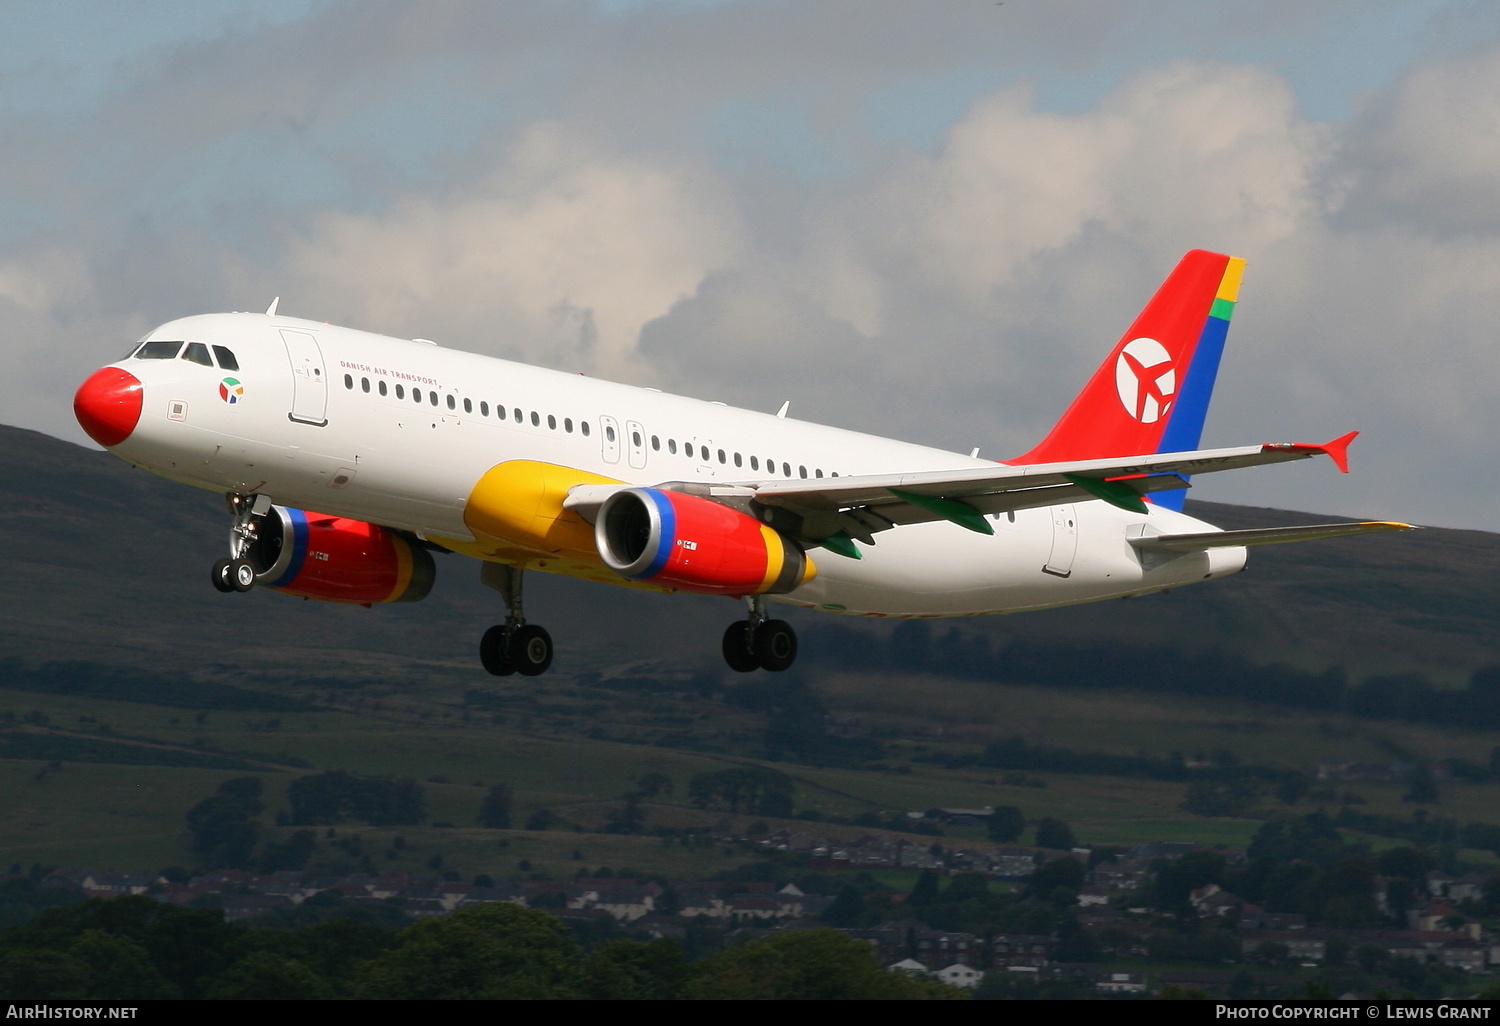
237,573
514,646
758,643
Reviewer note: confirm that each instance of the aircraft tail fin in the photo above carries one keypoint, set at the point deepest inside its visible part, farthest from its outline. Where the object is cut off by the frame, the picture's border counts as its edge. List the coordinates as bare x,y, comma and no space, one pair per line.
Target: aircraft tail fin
1151,393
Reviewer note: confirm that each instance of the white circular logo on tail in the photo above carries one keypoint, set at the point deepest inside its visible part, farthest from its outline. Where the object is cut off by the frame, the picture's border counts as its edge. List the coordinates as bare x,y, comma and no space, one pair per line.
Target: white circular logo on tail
1145,379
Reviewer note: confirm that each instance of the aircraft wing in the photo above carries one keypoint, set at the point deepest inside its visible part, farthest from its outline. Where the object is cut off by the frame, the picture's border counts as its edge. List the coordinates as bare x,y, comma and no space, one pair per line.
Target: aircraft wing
835,511
863,505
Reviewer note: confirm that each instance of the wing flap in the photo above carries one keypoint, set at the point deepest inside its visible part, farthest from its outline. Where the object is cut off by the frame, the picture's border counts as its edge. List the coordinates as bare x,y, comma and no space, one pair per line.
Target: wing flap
1176,543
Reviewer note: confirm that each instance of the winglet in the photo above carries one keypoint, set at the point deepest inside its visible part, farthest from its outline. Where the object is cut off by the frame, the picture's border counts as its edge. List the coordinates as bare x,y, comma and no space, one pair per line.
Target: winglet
1336,450
271,310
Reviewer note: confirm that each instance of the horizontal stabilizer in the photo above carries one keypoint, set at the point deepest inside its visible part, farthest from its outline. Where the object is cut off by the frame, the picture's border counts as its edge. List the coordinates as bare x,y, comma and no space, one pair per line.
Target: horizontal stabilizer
1263,536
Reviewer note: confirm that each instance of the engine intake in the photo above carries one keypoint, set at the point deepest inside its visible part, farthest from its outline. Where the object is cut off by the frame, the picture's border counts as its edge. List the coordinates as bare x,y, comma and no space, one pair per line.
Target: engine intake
695,544
337,559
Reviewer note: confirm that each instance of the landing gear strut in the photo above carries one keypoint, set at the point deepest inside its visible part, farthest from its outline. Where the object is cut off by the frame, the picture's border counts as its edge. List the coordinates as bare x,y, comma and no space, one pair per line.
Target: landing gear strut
758,643
237,573
514,646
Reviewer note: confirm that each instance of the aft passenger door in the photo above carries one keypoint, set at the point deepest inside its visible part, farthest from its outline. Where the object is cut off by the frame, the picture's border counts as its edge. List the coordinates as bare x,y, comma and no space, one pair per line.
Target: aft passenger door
309,382
1064,542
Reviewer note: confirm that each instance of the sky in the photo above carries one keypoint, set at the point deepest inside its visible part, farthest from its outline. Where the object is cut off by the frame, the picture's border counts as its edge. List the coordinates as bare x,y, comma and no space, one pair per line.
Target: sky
929,219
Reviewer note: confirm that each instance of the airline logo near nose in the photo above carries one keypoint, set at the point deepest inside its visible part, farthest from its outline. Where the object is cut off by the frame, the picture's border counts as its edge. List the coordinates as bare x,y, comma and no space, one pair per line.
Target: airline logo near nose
1145,379
231,391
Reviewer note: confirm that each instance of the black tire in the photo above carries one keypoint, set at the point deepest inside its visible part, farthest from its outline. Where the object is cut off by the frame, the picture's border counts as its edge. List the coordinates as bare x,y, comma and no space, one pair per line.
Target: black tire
530,650
241,575
737,650
775,645
220,576
494,653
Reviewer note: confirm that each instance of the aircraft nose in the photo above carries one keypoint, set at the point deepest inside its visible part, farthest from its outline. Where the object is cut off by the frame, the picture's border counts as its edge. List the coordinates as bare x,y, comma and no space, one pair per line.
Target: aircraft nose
108,405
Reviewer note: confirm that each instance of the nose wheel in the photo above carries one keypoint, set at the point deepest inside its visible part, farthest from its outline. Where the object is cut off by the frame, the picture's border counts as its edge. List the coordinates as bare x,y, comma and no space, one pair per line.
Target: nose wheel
514,646
237,573
757,643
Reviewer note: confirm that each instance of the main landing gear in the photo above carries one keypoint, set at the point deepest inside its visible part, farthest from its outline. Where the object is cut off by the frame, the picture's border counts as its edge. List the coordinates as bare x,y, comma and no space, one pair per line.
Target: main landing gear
237,573
758,643
514,646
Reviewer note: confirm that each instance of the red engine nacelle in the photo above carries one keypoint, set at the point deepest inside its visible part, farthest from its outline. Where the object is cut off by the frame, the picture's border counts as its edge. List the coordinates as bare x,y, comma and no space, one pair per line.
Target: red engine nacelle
695,544
337,559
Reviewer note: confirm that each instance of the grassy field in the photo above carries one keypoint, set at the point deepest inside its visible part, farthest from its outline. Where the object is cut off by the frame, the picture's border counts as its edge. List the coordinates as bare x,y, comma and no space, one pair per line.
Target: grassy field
551,742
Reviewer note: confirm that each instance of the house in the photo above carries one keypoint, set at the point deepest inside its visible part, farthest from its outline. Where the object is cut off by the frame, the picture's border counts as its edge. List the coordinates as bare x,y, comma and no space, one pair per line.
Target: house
1121,983
1020,950
1463,953
893,939
1470,886
1301,945
239,907
960,975
1439,916
626,904
423,908
1010,863
755,906
910,966
1093,894
940,947
1124,874
695,902
1278,921
1214,902
1162,850
960,817
109,885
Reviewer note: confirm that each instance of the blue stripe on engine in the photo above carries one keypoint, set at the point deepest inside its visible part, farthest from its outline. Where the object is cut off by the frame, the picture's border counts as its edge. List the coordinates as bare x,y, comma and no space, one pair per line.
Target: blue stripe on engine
1185,425
668,533
299,548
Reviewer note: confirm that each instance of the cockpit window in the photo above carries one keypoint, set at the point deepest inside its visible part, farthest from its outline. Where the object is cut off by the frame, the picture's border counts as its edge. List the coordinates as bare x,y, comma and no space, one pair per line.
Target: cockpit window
158,351
197,353
226,358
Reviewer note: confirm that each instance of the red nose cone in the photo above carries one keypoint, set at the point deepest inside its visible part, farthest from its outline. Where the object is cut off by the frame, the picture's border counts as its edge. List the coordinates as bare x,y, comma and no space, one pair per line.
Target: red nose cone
108,405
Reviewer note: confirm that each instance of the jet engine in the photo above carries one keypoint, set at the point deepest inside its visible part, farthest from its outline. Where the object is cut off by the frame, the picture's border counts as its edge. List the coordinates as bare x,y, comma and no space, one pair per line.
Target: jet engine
337,559
695,544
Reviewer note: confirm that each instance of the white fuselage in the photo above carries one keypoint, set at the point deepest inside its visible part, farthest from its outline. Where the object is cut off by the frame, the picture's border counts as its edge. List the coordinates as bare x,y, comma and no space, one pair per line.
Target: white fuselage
311,428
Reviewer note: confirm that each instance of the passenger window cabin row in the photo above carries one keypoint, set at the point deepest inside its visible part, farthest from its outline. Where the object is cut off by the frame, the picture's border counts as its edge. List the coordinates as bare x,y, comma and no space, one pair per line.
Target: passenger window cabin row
689,449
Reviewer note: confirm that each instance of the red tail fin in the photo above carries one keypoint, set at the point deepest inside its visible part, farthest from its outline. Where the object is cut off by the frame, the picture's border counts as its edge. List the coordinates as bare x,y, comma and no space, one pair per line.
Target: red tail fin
1160,373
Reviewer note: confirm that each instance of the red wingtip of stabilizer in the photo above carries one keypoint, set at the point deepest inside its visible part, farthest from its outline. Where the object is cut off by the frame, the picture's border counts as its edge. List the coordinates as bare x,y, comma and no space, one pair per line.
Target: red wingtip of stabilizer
1338,451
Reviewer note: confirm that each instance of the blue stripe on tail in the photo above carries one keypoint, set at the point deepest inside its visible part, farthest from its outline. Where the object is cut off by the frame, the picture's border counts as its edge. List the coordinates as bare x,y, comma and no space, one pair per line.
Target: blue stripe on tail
1185,425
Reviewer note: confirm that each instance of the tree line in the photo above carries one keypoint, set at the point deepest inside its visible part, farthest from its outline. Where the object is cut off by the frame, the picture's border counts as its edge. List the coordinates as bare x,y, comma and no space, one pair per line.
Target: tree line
226,832
134,948
913,645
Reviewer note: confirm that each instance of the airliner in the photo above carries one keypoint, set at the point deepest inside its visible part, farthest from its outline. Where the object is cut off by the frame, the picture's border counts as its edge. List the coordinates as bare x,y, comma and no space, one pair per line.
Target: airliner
405,448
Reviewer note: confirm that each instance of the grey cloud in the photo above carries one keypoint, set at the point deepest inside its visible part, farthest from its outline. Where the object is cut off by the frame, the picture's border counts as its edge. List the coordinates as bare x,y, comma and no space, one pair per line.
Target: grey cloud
1426,154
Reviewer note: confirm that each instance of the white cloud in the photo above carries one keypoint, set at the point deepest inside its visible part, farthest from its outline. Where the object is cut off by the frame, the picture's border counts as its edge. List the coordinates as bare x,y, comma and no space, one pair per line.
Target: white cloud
560,254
